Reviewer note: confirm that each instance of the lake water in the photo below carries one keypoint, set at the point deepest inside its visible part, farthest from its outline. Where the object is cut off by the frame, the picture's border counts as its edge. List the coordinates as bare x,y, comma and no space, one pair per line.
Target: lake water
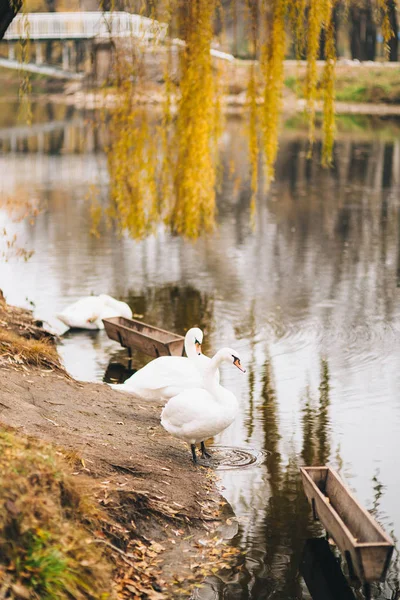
310,299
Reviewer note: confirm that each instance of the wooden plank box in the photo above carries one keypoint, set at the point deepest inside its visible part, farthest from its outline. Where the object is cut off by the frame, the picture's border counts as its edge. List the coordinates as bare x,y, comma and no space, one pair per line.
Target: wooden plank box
366,547
141,336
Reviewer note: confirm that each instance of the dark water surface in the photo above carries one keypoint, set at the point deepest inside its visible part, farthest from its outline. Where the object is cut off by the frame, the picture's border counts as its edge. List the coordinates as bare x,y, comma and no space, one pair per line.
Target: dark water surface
310,299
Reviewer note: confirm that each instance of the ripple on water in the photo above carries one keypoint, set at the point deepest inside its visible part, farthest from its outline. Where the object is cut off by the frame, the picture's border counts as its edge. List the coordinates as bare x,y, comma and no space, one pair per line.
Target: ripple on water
226,458
365,342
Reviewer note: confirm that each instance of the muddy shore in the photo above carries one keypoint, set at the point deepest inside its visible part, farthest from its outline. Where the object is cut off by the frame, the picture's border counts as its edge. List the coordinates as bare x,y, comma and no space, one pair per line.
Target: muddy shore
142,477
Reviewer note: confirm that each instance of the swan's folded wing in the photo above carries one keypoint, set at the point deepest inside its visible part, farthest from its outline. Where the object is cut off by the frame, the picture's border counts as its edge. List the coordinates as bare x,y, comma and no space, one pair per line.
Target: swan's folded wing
115,307
165,371
81,312
189,406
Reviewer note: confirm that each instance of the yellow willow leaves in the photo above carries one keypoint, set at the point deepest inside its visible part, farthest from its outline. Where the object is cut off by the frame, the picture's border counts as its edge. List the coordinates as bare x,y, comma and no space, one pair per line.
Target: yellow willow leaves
195,175
321,18
252,92
297,10
387,31
315,20
132,167
178,186
23,56
272,68
253,137
166,176
329,93
174,180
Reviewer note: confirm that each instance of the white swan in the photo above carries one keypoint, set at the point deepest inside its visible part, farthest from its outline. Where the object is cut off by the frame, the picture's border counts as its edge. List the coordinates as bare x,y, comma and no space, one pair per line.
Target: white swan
88,312
167,376
198,414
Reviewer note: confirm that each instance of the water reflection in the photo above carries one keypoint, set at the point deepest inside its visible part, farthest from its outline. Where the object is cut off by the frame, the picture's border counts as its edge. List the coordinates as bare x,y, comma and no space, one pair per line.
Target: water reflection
323,416
177,307
274,536
117,372
56,129
322,573
310,299
391,587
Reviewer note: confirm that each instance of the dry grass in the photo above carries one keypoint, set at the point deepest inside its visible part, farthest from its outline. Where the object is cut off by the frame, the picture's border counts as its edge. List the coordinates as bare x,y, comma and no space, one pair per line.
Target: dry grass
18,350
47,550
23,341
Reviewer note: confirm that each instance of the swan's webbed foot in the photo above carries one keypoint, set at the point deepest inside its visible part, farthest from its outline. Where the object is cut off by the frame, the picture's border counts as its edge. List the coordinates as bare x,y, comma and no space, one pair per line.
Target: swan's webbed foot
204,453
193,449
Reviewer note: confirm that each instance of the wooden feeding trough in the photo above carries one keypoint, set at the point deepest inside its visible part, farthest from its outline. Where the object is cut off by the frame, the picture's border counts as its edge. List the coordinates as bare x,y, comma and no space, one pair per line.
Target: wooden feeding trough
151,340
365,545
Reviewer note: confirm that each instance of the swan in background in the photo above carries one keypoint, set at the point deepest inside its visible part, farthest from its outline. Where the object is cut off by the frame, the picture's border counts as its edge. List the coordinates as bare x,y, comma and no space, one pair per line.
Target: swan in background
88,312
167,376
198,414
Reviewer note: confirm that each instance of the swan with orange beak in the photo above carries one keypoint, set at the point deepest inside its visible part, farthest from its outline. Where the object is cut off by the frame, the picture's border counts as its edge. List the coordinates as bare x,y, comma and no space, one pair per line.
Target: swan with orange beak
197,414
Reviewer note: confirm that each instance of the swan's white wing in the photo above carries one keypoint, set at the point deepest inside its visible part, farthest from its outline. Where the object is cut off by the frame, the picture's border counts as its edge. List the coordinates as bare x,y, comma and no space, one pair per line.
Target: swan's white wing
165,371
187,407
88,312
115,307
194,416
82,313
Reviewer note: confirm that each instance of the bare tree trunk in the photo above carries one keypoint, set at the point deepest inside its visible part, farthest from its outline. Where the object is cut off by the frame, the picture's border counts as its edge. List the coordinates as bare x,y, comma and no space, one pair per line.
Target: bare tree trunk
8,10
362,33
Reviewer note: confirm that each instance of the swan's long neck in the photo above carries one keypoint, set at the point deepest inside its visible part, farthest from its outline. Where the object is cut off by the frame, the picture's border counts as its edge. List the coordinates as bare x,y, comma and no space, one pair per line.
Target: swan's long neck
190,348
210,379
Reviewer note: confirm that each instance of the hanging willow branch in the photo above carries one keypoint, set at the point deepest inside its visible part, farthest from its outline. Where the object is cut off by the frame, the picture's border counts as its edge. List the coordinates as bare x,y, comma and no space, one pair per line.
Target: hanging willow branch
297,14
329,91
194,209
387,31
174,179
272,69
252,92
315,22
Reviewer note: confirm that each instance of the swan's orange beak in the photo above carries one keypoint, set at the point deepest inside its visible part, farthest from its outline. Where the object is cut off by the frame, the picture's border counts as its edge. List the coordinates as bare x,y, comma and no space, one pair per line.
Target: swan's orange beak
198,347
92,319
239,366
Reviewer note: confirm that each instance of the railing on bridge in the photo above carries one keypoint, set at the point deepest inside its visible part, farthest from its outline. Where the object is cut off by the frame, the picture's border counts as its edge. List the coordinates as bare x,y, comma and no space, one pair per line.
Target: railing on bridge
83,25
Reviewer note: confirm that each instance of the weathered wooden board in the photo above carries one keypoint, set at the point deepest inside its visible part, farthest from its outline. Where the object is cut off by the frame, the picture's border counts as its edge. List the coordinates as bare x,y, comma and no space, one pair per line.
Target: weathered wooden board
367,548
141,336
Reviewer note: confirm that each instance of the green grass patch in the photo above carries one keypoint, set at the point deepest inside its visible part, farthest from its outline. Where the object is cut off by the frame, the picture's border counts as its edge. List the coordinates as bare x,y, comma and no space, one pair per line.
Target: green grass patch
357,84
291,82
352,93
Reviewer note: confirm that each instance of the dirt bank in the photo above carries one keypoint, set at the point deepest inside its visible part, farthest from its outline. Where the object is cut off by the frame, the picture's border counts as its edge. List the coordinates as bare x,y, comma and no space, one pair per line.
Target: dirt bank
142,477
